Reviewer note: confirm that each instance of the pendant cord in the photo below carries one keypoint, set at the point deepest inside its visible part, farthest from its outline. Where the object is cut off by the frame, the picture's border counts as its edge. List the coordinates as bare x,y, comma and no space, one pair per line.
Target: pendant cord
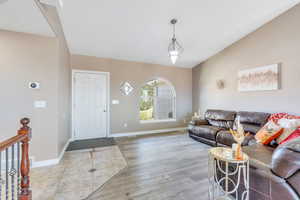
173,31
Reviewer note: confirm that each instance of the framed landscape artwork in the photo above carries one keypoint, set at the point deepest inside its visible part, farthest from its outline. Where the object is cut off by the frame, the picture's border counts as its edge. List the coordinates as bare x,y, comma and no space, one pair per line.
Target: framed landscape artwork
259,79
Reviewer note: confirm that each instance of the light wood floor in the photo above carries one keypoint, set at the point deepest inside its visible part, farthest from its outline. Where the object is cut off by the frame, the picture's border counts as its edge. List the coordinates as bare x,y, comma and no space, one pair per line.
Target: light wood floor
162,167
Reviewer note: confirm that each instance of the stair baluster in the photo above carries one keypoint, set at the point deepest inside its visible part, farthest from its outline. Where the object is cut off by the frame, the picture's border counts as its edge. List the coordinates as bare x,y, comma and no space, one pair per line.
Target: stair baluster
14,171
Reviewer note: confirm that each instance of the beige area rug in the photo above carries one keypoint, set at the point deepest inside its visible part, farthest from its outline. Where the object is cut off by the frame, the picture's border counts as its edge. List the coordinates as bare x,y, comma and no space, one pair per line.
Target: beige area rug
78,175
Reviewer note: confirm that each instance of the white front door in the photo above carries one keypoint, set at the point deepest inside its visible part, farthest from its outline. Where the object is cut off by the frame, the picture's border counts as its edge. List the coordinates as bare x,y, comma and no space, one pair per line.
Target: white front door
90,114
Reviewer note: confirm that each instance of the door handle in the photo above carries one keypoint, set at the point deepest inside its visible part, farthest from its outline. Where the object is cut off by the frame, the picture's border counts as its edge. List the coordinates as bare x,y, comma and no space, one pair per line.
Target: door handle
104,110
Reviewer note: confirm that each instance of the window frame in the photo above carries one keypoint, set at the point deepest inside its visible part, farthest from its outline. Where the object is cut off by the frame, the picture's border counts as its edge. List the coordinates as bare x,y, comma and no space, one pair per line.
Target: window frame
174,119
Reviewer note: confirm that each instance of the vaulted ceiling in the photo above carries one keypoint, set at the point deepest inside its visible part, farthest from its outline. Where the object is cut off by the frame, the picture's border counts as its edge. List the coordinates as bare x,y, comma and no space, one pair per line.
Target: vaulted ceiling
23,16
139,30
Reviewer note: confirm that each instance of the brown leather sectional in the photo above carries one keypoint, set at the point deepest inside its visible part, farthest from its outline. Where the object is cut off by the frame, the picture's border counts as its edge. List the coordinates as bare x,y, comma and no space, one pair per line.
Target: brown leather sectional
213,130
274,172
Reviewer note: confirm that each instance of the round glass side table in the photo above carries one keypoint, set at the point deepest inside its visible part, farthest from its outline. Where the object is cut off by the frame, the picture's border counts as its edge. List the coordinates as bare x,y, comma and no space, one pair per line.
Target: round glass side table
228,177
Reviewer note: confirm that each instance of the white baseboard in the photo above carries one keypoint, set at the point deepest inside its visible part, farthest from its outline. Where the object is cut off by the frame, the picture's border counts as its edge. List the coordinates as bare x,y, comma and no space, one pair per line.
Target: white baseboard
146,132
55,161
61,155
45,163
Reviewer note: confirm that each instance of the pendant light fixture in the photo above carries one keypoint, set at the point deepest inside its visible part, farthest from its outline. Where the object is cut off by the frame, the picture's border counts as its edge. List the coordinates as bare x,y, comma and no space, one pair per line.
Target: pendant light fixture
175,49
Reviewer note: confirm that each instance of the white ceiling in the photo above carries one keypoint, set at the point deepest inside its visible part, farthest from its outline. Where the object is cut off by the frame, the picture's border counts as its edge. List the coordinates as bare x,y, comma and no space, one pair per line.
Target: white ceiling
23,16
139,30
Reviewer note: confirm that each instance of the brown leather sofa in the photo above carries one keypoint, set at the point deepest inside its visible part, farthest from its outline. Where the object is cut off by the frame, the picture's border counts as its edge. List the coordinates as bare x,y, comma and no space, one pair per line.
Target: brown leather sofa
274,172
213,129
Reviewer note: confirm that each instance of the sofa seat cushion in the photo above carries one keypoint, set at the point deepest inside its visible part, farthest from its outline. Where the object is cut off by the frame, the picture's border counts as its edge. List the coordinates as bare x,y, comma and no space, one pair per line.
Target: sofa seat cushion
224,137
260,168
206,131
260,155
295,181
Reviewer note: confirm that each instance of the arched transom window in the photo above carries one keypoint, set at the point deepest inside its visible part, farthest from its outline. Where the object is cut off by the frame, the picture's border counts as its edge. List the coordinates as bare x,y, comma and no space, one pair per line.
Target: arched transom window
157,102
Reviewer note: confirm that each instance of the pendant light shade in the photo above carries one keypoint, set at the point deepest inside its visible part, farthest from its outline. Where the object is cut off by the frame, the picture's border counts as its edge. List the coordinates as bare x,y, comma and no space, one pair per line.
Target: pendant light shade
175,49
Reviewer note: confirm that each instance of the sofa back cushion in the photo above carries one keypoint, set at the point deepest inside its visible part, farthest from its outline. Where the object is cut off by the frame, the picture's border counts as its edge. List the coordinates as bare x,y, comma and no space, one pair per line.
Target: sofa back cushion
252,121
257,118
220,118
220,123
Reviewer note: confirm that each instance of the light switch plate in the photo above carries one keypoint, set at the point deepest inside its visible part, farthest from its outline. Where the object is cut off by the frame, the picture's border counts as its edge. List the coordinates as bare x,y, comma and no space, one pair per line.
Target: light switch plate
115,101
40,104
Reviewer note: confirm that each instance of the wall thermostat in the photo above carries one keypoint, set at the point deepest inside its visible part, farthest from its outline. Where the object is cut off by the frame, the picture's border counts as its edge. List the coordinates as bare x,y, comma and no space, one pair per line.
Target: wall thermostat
34,85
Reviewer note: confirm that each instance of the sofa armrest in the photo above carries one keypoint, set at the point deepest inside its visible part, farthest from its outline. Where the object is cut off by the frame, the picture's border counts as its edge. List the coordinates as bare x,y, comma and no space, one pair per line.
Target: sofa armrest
249,140
198,122
286,159
252,141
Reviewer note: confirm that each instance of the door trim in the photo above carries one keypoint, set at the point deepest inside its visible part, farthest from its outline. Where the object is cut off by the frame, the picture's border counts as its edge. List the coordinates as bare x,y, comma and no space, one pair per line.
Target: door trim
107,74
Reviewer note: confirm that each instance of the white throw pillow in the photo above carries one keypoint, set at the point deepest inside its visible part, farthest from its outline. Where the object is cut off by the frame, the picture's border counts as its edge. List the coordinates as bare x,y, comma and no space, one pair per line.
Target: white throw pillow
289,125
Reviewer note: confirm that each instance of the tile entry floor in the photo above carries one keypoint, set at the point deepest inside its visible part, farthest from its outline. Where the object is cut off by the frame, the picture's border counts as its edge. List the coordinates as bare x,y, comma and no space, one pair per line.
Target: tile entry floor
78,175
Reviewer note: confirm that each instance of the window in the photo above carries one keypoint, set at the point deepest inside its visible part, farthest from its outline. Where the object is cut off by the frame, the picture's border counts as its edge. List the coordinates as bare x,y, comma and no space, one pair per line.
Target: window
157,103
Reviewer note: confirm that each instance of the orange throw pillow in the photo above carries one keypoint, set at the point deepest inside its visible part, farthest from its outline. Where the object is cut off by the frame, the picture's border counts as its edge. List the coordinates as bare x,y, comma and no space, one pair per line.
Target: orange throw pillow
268,132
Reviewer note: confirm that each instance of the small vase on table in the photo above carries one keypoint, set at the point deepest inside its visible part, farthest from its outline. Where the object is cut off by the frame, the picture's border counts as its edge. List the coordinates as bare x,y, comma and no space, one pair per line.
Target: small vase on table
239,137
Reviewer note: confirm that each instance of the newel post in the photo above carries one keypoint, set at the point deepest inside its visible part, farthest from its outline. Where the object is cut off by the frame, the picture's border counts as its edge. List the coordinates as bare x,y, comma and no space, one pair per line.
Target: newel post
25,193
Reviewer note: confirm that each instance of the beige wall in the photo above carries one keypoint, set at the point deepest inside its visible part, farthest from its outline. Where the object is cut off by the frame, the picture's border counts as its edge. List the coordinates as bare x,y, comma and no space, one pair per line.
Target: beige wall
25,58
137,74
275,42
64,97
63,76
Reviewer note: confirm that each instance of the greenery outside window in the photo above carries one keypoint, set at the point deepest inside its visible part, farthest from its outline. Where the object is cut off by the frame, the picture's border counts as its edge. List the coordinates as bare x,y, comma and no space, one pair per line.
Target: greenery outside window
157,102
